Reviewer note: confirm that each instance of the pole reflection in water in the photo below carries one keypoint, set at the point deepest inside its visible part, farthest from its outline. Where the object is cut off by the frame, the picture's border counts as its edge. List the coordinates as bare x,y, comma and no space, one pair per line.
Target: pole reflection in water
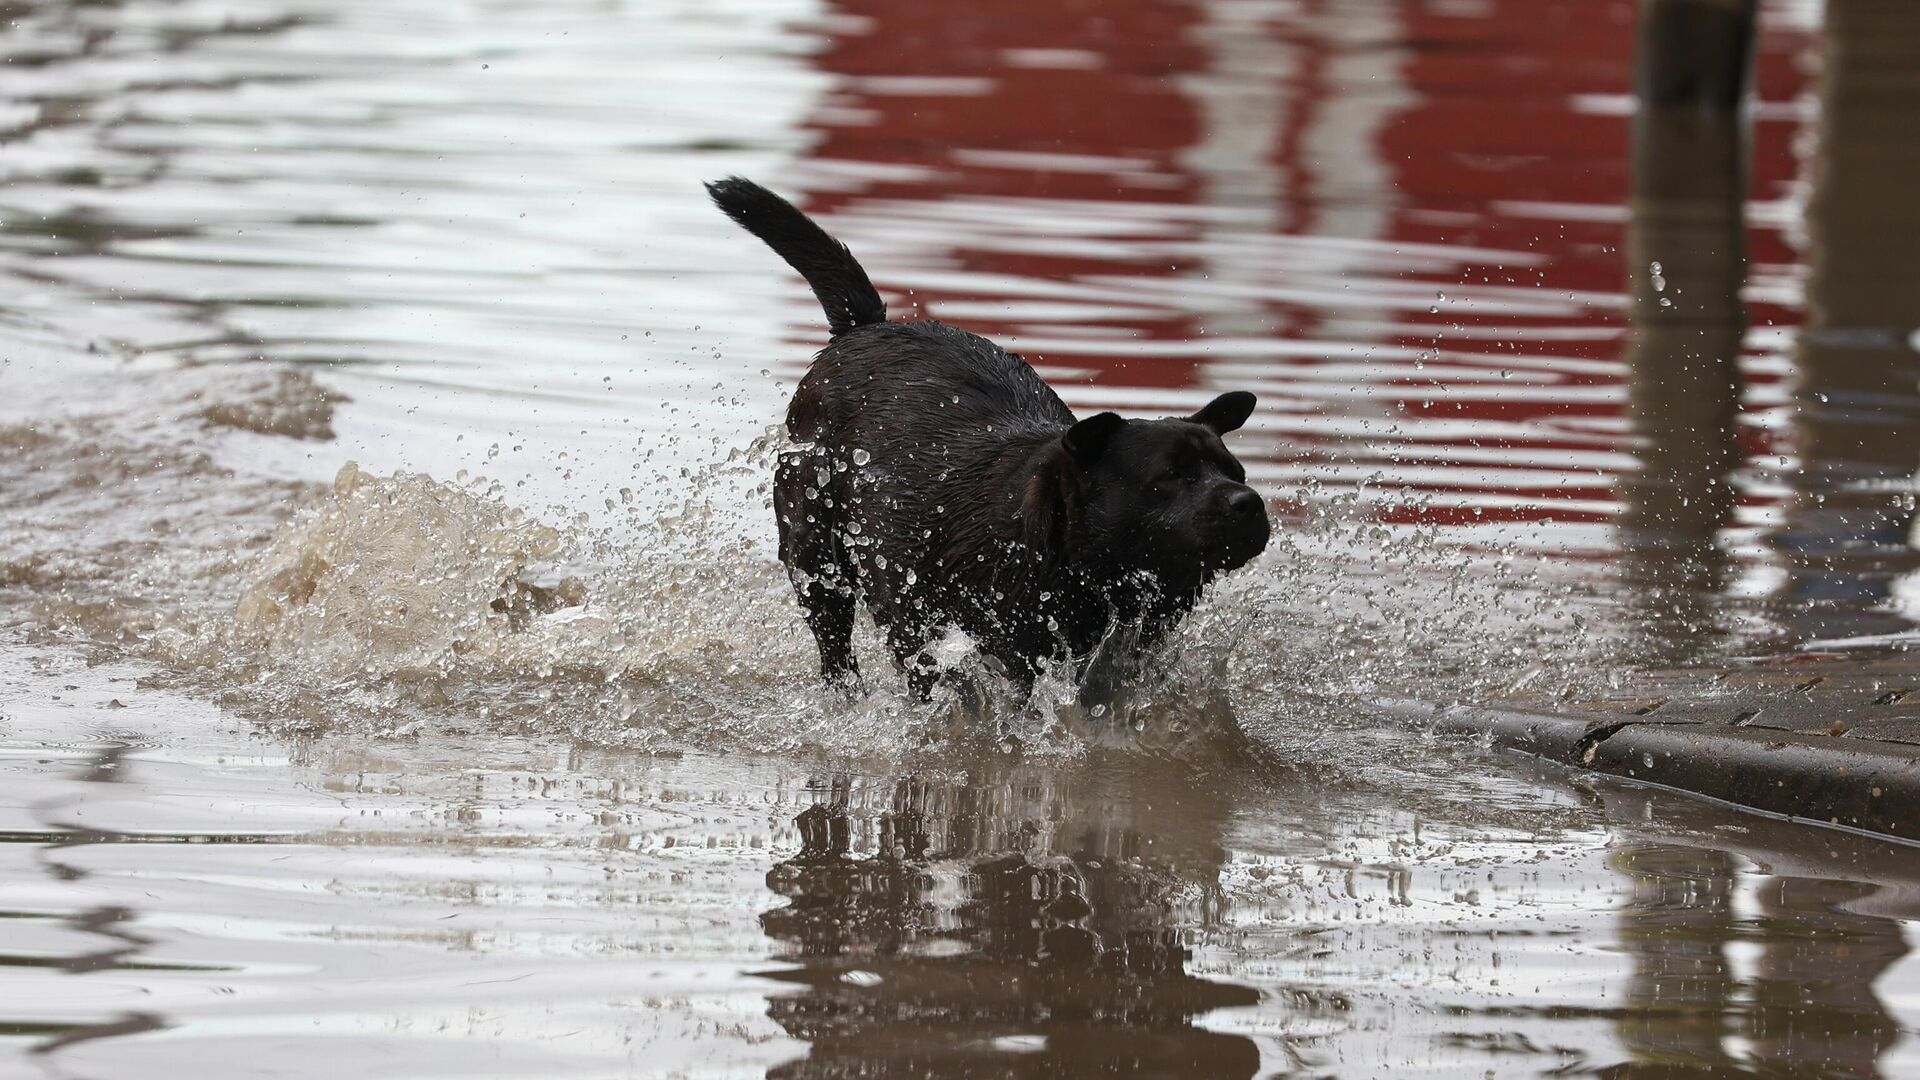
1677,925
1011,921
1846,540
1734,971
1686,260
1814,1002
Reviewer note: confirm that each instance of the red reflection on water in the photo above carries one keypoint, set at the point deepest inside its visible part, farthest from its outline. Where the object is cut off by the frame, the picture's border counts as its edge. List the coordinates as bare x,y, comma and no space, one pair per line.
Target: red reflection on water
967,89
1377,133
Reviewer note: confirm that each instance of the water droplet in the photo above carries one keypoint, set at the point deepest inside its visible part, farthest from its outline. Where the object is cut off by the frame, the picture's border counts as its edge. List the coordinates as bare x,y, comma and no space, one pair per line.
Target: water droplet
861,457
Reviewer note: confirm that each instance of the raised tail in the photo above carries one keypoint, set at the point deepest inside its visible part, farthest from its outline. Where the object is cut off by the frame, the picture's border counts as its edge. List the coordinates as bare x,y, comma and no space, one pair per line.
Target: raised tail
838,281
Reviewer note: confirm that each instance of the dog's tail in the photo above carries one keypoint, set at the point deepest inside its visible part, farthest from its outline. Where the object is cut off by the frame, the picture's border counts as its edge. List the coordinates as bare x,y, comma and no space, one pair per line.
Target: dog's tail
837,279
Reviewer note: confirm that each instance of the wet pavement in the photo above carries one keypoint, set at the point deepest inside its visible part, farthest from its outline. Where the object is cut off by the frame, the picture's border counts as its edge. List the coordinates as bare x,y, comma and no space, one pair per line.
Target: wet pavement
1815,739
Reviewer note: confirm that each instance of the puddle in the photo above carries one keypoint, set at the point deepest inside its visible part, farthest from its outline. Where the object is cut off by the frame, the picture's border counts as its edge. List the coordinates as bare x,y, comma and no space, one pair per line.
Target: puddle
396,673
187,894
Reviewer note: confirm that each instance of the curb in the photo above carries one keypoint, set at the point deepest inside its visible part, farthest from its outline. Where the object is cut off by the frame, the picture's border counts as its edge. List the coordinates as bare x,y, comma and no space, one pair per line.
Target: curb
1856,784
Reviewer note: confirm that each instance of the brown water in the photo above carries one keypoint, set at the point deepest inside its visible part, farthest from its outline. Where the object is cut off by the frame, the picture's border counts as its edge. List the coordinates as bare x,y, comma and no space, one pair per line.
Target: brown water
497,751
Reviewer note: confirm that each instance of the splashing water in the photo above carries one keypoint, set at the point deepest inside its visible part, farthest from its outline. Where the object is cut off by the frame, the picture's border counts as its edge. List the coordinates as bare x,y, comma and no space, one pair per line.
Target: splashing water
402,601
481,224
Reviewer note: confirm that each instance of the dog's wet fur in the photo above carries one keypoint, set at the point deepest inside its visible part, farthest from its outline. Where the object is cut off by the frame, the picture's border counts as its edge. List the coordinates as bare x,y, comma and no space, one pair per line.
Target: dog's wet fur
935,477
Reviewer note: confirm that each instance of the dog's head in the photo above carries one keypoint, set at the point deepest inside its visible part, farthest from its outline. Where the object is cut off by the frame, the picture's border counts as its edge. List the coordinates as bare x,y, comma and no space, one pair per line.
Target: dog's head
1163,496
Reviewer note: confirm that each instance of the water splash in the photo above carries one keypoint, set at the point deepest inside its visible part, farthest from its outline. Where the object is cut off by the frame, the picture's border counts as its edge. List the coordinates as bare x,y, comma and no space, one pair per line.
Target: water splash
395,578
402,603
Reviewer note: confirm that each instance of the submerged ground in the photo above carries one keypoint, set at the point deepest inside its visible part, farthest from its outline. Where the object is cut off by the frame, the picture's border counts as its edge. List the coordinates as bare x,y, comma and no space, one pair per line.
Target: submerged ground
396,676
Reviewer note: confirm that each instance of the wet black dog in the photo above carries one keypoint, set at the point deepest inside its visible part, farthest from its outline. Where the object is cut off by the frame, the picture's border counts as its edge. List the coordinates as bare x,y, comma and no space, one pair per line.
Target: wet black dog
937,478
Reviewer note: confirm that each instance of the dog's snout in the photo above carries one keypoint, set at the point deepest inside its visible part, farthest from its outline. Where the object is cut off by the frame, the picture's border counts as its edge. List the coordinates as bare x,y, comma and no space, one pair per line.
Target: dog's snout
1239,527
1246,503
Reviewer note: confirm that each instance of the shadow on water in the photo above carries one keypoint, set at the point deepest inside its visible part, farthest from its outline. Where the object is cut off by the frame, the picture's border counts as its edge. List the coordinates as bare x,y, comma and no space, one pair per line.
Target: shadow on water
1013,921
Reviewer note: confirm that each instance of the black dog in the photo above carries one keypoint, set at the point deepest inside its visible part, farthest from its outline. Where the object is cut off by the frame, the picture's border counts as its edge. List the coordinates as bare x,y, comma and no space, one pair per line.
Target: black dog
940,480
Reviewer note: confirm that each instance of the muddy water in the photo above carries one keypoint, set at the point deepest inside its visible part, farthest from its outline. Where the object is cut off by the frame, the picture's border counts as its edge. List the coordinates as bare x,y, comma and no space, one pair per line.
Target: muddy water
395,675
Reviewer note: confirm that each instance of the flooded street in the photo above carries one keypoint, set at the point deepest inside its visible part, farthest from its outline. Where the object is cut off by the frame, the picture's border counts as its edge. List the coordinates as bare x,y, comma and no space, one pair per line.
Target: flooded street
222,904
397,676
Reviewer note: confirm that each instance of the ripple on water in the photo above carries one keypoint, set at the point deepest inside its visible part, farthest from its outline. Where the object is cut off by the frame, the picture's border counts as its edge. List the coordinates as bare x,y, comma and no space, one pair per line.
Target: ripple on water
463,245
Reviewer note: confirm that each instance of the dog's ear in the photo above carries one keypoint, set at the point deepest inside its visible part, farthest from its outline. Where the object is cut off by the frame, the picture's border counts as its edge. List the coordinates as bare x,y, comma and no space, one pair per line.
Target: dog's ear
1050,501
1047,502
1226,412
1087,440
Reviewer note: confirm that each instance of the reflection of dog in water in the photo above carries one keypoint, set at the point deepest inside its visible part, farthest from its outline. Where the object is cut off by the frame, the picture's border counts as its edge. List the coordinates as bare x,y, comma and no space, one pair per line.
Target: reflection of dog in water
940,481
966,946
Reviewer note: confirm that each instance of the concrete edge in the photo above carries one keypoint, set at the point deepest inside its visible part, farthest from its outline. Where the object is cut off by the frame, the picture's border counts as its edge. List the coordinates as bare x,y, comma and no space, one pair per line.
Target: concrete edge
1854,784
